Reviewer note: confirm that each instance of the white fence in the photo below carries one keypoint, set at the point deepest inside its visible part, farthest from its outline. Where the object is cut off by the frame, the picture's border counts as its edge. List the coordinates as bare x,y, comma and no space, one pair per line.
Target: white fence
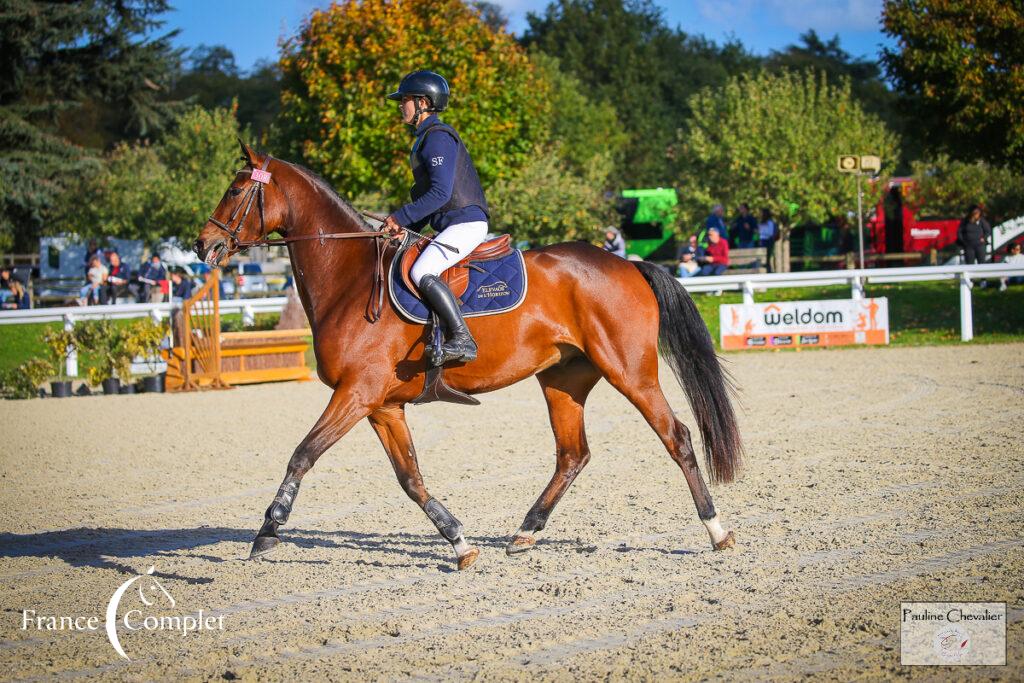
69,315
747,284
856,279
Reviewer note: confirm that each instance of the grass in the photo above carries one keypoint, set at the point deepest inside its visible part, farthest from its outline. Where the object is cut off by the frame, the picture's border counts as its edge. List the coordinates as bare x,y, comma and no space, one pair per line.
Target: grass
920,313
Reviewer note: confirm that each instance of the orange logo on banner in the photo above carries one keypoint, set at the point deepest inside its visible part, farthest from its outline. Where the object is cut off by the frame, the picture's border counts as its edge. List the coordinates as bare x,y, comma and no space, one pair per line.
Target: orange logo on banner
804,323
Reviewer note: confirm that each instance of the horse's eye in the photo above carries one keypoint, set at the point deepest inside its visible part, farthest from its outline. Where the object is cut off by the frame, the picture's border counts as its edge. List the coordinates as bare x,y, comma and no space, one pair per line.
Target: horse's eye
235,191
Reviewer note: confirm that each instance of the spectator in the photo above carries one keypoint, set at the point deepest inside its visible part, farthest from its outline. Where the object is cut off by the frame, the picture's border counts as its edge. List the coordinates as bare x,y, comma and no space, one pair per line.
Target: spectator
744,229
181,287
767,233
117,280
5,279
1013,257
687,258
716,257
95,279
15,297
91,252
716,221
973,233
151,274
613,242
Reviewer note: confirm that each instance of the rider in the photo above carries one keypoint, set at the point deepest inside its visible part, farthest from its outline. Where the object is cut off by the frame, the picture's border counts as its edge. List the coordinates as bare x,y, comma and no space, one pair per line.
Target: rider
447,194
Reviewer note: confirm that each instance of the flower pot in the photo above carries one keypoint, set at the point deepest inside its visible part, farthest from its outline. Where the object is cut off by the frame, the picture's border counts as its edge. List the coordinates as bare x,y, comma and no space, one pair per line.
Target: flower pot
127,389
60,389
153,384
111,385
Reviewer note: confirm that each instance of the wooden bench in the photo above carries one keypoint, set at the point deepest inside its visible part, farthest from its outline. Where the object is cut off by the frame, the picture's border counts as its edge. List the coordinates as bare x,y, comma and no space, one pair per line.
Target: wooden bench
753,260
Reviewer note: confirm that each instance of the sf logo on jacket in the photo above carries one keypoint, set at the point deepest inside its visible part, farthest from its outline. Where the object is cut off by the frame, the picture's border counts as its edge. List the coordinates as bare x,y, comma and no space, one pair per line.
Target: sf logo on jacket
436,161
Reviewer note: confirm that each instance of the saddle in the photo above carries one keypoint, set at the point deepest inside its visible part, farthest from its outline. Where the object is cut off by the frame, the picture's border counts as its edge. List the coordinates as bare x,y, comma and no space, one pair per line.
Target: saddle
457,276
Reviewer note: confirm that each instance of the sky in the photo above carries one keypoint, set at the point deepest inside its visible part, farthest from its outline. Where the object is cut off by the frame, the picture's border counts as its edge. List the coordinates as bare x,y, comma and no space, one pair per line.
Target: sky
252,29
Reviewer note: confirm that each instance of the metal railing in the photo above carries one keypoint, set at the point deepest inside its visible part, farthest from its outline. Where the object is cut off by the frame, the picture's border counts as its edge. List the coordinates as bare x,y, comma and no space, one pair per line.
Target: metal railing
856,279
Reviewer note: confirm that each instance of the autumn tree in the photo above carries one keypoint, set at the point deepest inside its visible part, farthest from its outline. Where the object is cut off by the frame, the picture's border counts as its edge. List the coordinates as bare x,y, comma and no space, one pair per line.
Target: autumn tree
946,187
345,59
960,63
772,140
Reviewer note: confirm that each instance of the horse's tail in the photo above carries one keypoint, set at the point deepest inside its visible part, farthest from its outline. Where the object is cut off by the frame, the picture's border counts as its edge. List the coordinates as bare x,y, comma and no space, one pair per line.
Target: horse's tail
686,344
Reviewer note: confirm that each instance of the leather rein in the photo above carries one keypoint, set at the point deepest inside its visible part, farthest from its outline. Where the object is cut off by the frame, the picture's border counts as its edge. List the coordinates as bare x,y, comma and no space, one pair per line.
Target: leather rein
260,177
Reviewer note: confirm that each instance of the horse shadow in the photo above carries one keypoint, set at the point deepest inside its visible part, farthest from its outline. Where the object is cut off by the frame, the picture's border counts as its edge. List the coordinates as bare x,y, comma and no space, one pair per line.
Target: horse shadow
122,549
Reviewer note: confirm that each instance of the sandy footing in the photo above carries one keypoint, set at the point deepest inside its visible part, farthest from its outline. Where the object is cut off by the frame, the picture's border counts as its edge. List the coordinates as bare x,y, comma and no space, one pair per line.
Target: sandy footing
873,476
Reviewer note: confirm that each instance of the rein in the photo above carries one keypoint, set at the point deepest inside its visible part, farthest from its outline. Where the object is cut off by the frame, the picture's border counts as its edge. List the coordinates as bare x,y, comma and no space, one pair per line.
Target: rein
261,177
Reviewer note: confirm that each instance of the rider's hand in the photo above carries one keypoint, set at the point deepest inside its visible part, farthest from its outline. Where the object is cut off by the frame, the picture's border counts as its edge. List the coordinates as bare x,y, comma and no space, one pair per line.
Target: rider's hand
392,227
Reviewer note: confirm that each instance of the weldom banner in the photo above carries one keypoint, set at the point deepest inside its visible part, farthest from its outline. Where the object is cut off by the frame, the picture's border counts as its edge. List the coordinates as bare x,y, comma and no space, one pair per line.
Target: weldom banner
788,324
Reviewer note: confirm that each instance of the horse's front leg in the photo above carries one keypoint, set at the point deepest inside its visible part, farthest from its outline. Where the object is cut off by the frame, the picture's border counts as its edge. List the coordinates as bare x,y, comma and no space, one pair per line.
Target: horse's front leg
342,413
390,425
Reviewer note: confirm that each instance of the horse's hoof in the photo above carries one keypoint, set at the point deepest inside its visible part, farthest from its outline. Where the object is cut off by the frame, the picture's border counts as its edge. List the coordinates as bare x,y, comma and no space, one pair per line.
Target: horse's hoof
520,544
263,545
466,561
728,542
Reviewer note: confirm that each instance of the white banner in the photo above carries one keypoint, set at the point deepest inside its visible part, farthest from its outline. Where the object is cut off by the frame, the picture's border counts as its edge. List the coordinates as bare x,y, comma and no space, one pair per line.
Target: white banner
783,324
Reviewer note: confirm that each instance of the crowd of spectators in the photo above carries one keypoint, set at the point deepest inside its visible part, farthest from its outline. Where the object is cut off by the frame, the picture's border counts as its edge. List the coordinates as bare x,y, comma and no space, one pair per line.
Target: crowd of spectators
13,294
109,279
707,252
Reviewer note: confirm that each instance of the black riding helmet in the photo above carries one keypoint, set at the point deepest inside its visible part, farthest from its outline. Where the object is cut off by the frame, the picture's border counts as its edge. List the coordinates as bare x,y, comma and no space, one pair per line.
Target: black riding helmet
424,84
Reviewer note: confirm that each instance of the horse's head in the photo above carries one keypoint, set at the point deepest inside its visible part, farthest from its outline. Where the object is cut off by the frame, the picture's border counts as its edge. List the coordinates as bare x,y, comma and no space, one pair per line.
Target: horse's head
252,207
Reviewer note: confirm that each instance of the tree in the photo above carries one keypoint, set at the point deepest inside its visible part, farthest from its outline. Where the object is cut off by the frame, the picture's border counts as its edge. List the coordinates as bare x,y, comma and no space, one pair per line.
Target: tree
960,64
71,74
546,202
158,191
214,80
946,187
772,140
345,59
624,54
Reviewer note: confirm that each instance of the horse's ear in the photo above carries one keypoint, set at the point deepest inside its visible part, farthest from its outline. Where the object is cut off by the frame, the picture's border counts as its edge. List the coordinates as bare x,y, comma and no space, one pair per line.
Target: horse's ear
247,153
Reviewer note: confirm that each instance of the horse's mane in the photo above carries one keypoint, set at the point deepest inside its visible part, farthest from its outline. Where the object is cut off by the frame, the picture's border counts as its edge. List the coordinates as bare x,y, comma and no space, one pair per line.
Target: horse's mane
332,193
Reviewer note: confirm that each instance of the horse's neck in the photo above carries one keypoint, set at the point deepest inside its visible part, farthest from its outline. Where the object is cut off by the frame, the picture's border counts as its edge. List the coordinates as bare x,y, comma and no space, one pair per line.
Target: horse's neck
337,274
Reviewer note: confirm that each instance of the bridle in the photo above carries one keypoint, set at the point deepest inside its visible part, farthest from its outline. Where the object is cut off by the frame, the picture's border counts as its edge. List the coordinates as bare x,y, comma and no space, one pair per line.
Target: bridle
261,177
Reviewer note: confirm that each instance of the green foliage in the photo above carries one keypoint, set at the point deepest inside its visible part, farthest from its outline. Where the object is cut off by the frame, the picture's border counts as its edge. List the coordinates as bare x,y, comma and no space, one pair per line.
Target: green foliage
72,74
214,81
60,344
583,125
346,58
142,338
24,380
772,140
106,341
546,202
961,65
168,189
623,53
946,188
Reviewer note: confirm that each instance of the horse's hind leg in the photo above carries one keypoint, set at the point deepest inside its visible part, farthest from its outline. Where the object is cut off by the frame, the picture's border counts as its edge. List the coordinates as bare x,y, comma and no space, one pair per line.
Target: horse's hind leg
635,375
565,389
343,411
393,431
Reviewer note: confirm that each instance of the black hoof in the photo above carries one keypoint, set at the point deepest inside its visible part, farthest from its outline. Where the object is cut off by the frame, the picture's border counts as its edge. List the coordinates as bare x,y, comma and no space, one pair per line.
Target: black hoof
263,545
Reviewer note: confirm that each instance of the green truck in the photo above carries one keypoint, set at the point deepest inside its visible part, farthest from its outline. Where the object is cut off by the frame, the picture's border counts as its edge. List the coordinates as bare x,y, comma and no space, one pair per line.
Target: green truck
648,220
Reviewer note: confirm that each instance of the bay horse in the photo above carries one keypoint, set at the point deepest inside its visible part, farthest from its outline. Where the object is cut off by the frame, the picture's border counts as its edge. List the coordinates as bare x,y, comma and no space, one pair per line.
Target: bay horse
588,315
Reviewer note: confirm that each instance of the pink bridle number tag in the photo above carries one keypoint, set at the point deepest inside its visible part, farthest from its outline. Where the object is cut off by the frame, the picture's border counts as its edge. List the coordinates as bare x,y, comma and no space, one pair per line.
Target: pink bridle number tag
260,176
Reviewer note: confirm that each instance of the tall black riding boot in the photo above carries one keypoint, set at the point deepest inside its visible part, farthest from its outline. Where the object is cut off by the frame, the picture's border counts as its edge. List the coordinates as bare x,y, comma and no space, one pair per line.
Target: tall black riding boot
460,344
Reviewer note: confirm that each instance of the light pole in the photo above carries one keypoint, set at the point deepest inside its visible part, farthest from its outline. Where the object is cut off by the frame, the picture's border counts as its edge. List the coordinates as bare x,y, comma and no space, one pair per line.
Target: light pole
860,220
859,166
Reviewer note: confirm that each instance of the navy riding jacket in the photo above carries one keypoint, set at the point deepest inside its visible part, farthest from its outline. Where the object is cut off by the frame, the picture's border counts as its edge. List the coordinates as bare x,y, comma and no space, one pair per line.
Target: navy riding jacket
440,154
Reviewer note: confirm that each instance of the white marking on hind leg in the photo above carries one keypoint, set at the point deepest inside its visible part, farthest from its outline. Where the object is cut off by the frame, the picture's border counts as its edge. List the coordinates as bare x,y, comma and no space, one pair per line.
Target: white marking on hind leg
461,547
714,529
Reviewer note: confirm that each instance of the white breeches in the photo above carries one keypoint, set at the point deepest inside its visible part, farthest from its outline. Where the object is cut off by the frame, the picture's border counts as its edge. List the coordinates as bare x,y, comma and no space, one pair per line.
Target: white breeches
435,260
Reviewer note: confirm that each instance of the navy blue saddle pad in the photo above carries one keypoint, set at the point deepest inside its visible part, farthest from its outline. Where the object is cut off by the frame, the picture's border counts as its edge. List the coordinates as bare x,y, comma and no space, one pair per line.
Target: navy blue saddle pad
498,286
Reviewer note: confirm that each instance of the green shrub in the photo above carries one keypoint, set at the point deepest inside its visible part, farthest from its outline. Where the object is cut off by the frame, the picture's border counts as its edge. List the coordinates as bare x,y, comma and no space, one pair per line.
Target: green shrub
24,380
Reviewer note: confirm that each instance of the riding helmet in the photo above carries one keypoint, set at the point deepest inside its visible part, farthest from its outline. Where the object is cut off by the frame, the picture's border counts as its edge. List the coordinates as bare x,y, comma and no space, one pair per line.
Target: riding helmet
424,84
